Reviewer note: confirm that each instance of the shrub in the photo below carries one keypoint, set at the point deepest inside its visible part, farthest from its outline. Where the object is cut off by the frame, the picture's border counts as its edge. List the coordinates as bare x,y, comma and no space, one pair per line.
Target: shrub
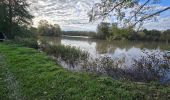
105,65
152,67
29,42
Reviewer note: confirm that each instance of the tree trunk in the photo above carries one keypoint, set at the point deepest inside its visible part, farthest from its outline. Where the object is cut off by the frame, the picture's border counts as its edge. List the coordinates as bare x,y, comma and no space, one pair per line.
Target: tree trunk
10,18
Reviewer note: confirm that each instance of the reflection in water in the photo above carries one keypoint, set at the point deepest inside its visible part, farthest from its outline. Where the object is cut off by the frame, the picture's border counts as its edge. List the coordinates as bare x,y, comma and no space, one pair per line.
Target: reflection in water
125,50
113,49
86,46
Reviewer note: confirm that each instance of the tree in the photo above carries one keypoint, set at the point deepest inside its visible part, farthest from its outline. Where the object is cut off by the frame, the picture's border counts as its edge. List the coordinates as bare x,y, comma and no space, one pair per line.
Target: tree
103,30
152,34
56,30
120,33
13,14
44,28
128,13
166,35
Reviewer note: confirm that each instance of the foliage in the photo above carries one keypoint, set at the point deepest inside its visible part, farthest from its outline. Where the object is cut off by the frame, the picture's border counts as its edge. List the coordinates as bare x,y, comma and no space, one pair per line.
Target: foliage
46,29
105,65
153,67
166,35
14,16
114,32
120,33
103,30
151,35
146,69
70,55
28,42
40,78
127,13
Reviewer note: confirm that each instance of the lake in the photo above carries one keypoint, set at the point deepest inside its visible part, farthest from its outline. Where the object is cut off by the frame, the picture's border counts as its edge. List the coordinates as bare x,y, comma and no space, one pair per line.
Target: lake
127,50
114,48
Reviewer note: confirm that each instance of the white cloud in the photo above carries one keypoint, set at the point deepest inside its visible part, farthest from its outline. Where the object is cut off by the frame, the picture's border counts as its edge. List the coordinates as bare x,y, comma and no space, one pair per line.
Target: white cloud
161,24
69,14
72,14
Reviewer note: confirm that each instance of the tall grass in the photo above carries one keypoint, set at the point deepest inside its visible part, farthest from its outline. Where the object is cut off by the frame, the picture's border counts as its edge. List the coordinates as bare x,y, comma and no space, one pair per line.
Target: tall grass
152,67
28,42
68,54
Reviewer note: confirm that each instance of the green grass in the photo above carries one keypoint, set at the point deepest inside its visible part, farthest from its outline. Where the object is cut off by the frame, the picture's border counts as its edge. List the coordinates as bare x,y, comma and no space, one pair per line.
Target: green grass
39,78
3,89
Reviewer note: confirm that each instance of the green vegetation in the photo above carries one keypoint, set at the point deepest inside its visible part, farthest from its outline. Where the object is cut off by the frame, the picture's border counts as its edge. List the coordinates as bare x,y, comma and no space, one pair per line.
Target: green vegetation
38,77
3,88
146,69
118,11
119,33
28,42
71,55
46,29
113,32
14,17
103,30
27,74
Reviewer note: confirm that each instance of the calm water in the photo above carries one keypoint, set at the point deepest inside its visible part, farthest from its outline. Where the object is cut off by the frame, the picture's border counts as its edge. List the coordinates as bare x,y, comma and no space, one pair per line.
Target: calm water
127,50
114,49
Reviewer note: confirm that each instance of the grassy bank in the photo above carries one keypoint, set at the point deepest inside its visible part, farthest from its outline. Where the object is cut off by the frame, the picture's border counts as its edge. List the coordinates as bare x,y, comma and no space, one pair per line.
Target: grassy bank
36,77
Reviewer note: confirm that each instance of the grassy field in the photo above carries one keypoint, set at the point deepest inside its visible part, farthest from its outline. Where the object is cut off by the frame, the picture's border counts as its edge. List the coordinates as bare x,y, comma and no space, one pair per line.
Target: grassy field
26,74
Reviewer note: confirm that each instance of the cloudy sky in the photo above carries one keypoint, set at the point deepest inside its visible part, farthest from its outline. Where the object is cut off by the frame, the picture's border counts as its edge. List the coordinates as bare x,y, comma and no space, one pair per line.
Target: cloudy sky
72,14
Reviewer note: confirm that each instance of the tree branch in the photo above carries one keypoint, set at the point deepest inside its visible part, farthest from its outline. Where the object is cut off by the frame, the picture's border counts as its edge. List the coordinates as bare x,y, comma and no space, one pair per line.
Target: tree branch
139,9
149,16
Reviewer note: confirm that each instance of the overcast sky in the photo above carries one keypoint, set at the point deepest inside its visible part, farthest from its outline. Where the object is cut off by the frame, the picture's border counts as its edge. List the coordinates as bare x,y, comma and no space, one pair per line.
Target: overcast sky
72,14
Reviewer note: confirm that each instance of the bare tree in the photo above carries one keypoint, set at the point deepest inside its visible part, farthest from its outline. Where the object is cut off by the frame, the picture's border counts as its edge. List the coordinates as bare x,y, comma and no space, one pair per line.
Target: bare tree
128,13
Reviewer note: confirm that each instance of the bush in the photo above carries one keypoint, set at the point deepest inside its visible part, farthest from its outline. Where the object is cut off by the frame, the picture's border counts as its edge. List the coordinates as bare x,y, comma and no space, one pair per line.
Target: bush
29,42
152,67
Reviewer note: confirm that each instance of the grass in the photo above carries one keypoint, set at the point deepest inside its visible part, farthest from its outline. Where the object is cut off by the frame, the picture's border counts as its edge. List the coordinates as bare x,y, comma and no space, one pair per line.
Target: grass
39,78
68,54
3,89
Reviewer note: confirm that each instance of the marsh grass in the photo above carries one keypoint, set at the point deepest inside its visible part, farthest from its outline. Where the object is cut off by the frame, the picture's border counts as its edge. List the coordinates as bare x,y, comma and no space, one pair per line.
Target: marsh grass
28,42
71,55
146,69
152,67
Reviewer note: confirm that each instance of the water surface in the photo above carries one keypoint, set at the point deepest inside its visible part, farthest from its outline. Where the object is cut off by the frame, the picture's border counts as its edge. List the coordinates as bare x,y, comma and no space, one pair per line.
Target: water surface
114,48
124,50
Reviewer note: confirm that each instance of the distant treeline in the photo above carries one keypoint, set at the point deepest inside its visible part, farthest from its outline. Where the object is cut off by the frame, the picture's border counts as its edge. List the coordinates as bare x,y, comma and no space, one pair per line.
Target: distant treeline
106,31
150,35
113,32
79,33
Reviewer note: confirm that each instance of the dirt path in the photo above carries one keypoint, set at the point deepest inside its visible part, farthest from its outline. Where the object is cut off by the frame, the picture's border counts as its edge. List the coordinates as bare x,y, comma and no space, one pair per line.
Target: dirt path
12,85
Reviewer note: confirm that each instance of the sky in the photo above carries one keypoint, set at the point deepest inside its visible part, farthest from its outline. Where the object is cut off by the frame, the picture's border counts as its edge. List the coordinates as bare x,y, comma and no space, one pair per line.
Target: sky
71,15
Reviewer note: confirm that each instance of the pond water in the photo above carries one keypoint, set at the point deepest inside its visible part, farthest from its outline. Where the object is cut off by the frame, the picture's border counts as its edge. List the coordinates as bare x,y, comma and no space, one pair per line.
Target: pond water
114,48
127,50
